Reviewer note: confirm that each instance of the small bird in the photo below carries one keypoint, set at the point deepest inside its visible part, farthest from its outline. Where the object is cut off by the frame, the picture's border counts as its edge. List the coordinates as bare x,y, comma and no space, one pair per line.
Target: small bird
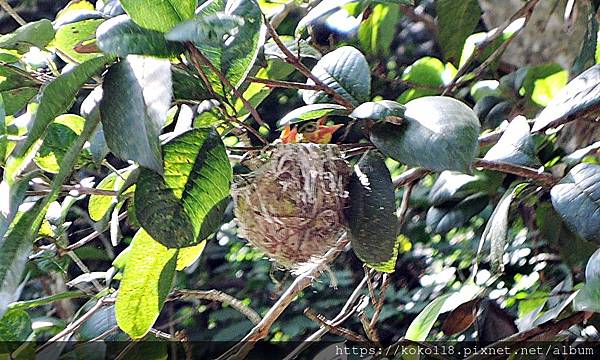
316,132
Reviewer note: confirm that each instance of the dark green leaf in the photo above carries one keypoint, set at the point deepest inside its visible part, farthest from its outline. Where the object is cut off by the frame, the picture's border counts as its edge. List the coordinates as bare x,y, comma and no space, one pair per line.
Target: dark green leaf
187,205
147,280
15,248
516,145
579,99
437,133
311,112
209,28
577,200
453,186
188,87
69,36
456,21
57,98
15,326
17,88
371,213
385,110
3,133
121,36
159,15
37,33
133,109
235,57
16,99
344,70
375,34
442,219
587,55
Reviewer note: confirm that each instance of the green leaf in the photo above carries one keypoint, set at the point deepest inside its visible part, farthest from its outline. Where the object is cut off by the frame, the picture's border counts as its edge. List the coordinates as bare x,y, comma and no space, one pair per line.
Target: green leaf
579,99
187,86
60,135
89,109
311,112
133,109
322,9
442,219
159,15
15,248
496,230
438,133
588,298
452,186
3,132
385,110
121,36
545,89
57,98
188,255
69,36
209,28
346,71
187,205
236,56
577,200
100,205
15,326
371,213
17,88
375,34
587,55
45,300
456,21
515,146
420,327
426,71
37,33
147,280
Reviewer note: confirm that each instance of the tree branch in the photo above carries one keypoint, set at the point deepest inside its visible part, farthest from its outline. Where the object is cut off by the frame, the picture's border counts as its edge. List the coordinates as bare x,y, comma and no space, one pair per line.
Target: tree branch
283,84
216,295
261,330
13,14
547,180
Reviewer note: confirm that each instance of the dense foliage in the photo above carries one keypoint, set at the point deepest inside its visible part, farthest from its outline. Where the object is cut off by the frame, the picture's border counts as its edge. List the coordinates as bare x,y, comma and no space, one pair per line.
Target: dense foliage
129,129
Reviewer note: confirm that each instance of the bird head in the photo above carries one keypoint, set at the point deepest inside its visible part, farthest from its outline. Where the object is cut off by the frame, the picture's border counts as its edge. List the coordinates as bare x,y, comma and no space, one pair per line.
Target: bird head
316,132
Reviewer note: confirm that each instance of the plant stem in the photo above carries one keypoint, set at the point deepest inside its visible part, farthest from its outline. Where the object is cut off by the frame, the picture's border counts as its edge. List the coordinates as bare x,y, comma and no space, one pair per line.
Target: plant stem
13,14
547,180
216,295
283,84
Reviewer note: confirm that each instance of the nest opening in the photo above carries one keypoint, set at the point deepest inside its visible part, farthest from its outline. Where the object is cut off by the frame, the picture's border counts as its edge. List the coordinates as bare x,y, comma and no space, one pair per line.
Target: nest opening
291,207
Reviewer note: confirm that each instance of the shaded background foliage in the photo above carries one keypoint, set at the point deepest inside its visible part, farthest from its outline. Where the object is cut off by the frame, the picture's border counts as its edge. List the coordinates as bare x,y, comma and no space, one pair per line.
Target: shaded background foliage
435,257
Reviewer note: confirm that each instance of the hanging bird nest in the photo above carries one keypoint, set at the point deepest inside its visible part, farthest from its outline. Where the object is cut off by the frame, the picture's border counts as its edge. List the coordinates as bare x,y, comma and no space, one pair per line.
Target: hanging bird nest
291,206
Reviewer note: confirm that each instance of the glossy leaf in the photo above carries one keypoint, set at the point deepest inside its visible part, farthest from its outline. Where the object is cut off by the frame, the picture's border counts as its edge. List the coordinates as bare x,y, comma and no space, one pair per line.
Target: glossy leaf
159,15
60,135
121,36
577,200
443,218
137,96
453,186
420,327
187,205
210,28
426,71
38,33
385,110
580,97
592,269
295,46
346,71
371,213
146,282
16,88
236,56
516,145
311,112
438,133
375,33
322,9
456,19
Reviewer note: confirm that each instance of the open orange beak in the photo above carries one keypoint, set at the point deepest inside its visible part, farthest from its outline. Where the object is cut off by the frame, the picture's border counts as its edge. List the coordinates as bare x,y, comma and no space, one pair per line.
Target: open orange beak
322,135
289,135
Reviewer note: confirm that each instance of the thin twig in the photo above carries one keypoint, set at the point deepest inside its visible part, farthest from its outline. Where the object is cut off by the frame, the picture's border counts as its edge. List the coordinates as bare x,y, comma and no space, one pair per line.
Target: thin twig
84,269
410,176
543,178
195,53
336,330
79,189
260,331
13,14
283,84
295,61
88,238
216,295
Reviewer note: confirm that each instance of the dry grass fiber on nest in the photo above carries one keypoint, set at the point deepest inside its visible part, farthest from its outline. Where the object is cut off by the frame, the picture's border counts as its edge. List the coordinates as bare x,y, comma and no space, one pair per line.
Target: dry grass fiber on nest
291,207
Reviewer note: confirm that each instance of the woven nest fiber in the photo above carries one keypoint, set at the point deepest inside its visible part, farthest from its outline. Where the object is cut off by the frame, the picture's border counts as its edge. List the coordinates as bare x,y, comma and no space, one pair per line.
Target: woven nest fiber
291,206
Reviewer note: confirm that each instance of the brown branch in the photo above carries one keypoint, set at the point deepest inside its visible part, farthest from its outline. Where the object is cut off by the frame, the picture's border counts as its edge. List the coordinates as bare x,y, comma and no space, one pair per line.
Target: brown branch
295,61
547,180
410,176
336,330
216,295
196,54
543,332
283,84
260,331
88,238
13,14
